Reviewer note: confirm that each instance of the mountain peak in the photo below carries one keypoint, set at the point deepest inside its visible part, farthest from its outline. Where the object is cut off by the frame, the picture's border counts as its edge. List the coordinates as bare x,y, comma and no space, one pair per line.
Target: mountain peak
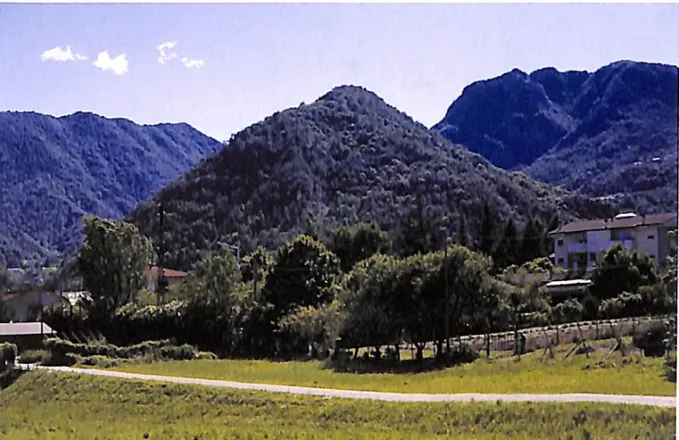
583,130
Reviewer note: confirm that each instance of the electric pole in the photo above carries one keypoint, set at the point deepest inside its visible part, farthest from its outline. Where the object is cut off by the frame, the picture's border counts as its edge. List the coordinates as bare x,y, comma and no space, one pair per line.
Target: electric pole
160,280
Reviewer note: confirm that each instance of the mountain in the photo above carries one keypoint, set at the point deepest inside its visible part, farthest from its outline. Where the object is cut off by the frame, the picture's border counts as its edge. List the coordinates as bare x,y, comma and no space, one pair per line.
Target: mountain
53,171
347,157
608,134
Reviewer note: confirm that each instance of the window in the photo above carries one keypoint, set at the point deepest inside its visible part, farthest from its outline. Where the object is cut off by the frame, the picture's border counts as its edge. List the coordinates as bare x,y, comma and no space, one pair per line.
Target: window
592,256
560,260
651,237
559,243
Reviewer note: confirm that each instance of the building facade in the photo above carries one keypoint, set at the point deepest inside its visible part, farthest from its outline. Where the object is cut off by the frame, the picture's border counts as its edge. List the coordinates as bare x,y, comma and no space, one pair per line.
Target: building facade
578,245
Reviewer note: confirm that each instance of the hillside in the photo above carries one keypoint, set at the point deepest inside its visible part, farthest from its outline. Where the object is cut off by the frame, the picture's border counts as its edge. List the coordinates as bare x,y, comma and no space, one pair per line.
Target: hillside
347,157
611,132
53,171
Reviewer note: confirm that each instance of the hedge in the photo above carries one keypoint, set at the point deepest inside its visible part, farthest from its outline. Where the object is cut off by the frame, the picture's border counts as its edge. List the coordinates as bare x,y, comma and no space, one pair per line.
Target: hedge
63,352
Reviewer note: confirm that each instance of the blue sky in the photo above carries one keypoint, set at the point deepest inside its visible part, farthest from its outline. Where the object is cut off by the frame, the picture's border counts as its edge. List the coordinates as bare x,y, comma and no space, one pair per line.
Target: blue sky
258,59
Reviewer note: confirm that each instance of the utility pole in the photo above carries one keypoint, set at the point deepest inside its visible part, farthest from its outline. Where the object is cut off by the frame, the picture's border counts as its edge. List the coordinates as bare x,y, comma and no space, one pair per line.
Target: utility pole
232,246
255,275
160,279
445,263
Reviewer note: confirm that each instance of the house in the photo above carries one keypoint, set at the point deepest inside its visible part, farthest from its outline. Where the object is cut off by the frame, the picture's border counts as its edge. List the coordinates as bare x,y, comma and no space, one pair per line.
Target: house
173,277
26,335
75,298
577,245
26,306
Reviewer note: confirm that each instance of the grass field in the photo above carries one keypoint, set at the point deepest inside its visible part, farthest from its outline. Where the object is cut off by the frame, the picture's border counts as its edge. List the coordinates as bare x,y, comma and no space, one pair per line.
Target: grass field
62,406
634,374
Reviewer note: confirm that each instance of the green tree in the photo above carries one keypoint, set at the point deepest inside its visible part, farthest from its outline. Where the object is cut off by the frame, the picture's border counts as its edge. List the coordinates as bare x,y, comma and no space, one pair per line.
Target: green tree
486,240
215,278
418,235
112,261
621,270
301,275
352,244
532,242
368,314
462,232
258,263
506,253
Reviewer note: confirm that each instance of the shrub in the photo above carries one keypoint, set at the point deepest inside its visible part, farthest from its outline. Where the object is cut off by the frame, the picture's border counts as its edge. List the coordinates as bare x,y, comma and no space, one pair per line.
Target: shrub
99,361
32,356
651,340
181,353
205,355
62,352
8,354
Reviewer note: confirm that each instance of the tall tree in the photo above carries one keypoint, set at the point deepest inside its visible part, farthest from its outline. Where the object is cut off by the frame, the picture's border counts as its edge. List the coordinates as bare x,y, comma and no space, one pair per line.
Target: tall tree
418,236
507,250
462,232
488,231
301,275
352,244
531,242
112,262
215,278
622,270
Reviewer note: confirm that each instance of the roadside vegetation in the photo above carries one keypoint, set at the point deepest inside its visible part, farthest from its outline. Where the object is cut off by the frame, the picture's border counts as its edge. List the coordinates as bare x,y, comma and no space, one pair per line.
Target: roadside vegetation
64,406
324,297
599,374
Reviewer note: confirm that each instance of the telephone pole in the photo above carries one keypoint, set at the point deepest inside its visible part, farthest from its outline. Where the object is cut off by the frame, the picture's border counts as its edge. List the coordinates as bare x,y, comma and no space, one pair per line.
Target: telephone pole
160,279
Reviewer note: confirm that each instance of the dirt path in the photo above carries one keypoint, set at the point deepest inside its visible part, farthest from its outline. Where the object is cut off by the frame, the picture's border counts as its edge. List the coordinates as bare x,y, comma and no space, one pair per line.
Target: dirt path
663,401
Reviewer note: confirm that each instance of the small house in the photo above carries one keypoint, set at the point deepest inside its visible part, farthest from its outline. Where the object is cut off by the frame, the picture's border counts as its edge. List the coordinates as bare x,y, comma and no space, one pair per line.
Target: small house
26,335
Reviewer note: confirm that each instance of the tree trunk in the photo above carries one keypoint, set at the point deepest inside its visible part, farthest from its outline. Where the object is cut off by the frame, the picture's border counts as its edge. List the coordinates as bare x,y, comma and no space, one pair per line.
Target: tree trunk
439,349
420,352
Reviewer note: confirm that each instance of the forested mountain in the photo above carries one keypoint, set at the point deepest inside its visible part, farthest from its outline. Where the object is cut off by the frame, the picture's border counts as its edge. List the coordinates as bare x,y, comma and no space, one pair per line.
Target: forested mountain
345,158
608,133
55,170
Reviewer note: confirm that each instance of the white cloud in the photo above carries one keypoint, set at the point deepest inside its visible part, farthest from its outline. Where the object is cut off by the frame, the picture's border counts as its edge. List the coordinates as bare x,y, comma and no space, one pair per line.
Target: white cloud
166,53
192,63
117,65
61,55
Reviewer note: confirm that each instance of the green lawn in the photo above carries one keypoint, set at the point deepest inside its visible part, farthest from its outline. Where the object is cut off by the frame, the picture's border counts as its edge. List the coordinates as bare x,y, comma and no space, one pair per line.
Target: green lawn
67,406
577,374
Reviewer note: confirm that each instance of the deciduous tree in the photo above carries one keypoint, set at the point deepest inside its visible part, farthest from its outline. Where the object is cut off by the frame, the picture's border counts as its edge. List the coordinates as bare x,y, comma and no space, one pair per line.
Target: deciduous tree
112,262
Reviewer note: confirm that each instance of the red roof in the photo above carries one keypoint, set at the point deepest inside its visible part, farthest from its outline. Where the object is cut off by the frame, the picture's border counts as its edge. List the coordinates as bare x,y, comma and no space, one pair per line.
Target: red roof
169,273
616,223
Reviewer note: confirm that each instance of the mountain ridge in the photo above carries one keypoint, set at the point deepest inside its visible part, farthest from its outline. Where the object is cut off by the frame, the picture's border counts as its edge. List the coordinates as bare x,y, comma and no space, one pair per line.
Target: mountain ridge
576,128
347,157
55,170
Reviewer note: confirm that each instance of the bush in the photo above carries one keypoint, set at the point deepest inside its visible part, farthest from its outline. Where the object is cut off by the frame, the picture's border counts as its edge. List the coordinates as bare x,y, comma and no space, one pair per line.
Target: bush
652,340
181,353
8,354
98,361
32,356
62,352
206,355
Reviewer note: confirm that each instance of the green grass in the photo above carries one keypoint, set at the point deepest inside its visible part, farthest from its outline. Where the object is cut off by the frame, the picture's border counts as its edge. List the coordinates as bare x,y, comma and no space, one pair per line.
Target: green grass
67,406
633,375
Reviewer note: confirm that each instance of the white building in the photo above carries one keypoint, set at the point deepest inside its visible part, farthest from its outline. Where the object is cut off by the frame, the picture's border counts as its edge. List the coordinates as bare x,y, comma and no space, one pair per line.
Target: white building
577,245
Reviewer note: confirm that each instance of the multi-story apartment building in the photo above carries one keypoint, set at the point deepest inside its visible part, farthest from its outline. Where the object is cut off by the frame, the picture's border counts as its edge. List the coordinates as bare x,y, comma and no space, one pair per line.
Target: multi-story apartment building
577,245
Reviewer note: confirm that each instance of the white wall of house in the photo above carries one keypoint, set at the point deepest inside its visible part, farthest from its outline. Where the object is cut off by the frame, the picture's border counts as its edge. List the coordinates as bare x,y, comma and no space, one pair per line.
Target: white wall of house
652,240
24,307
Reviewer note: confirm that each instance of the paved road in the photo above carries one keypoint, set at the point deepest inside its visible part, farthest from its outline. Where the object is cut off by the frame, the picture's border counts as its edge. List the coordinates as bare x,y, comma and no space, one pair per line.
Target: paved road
373,395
